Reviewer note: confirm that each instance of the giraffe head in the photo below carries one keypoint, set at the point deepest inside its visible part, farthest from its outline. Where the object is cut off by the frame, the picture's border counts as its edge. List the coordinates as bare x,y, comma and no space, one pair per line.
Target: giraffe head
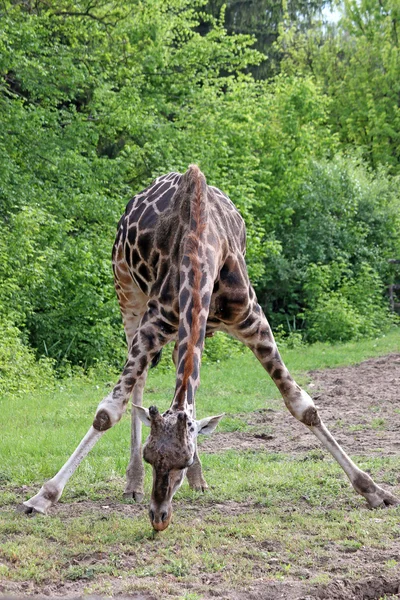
170,449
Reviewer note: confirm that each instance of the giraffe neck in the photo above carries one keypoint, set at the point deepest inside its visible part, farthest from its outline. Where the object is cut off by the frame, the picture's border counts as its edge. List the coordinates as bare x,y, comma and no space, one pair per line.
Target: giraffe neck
187,407
194,295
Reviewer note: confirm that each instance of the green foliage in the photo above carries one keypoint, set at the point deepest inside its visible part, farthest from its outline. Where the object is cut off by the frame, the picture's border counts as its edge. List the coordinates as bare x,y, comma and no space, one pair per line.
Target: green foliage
357,63
288,339
92,98
19,371
97,99
339,213
342,308
262,18
221,347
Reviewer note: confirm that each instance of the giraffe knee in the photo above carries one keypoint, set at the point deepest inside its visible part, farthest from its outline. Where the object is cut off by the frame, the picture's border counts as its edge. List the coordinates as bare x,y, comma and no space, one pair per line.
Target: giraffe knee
102,421
109,412
303,408
310,417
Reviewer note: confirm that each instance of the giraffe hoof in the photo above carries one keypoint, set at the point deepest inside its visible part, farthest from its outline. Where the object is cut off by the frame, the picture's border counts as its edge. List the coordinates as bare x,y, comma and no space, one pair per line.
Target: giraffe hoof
199,487
25,509
136,496
381,498
44,499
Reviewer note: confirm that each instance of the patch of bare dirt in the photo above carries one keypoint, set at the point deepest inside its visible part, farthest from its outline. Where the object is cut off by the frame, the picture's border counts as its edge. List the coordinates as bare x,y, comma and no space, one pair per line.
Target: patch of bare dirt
360,404
271,590
336,560
75,590
372,588
235,440
77,508
48,594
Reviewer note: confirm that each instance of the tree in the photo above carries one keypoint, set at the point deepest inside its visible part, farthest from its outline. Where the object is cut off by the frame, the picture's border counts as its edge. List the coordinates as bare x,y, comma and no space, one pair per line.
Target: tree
357,65
262,19
90,95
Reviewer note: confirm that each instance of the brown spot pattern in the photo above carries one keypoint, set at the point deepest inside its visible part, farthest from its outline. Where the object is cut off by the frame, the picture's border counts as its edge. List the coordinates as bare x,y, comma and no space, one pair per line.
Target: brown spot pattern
310,417
102,421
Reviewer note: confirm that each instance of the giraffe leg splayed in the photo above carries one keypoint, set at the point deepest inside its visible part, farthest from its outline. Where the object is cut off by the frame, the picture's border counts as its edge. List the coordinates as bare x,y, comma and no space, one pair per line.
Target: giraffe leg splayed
180,274
255,332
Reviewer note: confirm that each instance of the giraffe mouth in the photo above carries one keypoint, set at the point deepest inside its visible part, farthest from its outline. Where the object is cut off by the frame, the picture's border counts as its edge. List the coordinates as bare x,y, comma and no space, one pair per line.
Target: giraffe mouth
160,526
160,520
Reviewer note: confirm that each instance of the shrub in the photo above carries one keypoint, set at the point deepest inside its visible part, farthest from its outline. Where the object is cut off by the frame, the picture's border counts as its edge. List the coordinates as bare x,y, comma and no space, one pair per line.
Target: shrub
341,214
221,347
19,370
342,308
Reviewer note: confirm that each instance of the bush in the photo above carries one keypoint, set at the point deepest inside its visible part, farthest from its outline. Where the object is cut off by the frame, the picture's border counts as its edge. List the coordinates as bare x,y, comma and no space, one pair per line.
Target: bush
95,108
221,347
288,339
19,370
342,308
333,319
341,214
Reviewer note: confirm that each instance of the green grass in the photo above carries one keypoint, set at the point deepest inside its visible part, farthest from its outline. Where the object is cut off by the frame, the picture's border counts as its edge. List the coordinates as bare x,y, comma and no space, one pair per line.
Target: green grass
265,516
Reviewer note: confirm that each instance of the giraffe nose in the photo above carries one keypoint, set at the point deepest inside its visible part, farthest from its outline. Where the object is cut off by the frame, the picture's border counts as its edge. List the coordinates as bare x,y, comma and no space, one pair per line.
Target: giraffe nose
160,518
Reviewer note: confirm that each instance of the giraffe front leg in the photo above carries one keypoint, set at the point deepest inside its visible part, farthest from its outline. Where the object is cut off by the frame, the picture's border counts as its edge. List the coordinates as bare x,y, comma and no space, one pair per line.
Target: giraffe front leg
361,481
146,342
303,408
255,332
51,491
109,412
135,471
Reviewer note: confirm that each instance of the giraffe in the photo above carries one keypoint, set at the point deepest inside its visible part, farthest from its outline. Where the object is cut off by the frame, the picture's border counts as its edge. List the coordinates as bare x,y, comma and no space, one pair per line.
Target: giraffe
180,275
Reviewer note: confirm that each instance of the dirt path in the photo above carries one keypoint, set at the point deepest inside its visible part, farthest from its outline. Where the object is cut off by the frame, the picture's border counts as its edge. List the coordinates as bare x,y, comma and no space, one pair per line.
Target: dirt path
359,404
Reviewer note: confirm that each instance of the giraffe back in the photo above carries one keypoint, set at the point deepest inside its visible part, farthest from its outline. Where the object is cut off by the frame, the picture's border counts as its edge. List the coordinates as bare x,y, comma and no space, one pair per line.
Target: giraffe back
150,238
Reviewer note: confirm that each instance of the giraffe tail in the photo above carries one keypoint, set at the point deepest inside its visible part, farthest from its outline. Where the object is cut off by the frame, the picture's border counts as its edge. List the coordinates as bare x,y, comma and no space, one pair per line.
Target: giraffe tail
194,296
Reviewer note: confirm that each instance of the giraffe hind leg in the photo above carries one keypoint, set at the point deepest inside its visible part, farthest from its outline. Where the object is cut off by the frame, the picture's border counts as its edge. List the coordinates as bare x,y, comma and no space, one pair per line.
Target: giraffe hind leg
132,302
255,332
194,474
134,487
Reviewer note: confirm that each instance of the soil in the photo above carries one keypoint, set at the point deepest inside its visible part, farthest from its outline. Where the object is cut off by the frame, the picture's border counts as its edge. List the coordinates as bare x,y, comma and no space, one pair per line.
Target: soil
358,405
361,406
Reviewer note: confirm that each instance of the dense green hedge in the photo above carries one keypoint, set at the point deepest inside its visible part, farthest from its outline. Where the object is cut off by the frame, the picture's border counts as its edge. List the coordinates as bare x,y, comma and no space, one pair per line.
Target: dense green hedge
98,99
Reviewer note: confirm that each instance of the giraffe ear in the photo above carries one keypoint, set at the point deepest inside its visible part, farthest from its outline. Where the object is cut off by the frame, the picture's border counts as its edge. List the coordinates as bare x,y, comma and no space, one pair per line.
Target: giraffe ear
143,414
207,425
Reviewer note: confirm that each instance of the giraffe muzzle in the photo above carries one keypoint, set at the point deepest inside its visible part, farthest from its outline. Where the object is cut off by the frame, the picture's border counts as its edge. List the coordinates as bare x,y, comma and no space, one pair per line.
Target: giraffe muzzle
160,519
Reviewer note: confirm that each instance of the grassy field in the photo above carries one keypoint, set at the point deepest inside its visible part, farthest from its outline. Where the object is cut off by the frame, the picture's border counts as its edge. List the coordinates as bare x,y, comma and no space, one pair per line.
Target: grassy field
268,518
